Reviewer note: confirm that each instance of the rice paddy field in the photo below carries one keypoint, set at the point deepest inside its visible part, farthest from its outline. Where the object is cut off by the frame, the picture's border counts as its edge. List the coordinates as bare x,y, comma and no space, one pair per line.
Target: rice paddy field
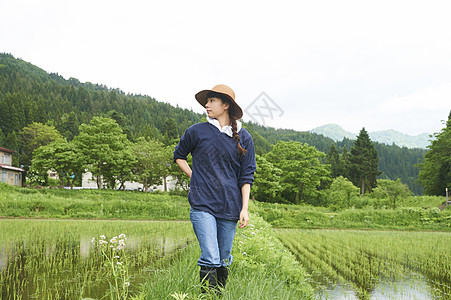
113,259
359,264
59,244
76,259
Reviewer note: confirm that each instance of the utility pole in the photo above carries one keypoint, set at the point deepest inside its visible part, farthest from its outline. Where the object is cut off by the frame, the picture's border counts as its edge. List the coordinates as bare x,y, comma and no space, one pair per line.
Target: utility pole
446,197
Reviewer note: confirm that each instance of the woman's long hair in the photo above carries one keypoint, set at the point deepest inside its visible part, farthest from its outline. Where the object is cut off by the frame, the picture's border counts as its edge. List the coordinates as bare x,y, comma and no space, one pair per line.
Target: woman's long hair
233,117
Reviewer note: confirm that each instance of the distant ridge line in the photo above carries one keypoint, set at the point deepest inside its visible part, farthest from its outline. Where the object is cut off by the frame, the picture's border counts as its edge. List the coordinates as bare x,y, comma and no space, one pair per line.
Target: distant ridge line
389,137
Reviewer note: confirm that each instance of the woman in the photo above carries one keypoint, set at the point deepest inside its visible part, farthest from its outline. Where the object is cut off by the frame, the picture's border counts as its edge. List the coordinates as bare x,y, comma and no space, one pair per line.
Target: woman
223,172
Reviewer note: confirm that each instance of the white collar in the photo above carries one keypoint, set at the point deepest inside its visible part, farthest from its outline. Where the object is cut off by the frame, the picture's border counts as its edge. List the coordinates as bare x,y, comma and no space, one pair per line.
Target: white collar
227,129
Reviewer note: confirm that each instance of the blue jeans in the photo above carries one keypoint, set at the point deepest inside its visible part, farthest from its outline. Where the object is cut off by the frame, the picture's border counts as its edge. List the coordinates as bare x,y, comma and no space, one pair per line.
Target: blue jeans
215,238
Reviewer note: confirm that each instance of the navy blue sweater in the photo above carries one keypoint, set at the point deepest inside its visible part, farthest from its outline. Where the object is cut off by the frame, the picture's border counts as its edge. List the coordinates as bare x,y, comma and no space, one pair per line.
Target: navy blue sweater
219,171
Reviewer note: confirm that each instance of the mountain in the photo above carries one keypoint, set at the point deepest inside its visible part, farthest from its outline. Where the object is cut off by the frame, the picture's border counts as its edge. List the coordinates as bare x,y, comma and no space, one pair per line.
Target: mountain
334,132
29,94
388,137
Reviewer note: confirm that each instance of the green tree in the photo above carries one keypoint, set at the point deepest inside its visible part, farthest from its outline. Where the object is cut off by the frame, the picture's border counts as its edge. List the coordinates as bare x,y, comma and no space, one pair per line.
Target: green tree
363,163
341,193
344,162
60,157
391,189
435,169
103,146
302,170
37,177
170,132
266,180
333,159
122,169
34,136
153,161
69,125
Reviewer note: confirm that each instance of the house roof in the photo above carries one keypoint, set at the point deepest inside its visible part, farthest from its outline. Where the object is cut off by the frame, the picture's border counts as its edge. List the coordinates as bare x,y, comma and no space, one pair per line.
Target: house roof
2,166
7,150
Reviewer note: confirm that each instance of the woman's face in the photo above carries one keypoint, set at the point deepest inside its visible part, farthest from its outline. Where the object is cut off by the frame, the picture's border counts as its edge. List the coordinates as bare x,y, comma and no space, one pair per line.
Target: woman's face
216,108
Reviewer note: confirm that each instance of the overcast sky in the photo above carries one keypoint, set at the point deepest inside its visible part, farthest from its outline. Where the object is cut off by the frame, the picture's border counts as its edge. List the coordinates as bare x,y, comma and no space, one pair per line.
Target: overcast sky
293,64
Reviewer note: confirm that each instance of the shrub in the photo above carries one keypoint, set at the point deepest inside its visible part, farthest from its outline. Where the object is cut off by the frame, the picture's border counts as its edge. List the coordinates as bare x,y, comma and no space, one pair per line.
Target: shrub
342,194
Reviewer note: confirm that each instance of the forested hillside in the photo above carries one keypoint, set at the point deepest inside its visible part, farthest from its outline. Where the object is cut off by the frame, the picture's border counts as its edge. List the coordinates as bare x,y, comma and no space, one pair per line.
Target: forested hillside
29,94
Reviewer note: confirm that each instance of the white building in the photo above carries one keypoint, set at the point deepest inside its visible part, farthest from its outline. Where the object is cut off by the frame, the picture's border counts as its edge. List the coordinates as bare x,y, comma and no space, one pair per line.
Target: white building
88,182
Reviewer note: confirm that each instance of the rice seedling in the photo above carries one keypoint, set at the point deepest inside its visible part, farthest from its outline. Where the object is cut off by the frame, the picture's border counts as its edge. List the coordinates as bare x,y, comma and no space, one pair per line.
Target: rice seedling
374,262
55,259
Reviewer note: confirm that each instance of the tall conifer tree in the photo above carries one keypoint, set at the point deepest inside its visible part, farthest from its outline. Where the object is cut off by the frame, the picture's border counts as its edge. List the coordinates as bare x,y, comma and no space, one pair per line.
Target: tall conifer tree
333,158
363,163
344,162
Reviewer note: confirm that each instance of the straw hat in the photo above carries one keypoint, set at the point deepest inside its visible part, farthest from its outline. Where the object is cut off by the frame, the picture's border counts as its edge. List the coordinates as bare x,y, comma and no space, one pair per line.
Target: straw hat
201,97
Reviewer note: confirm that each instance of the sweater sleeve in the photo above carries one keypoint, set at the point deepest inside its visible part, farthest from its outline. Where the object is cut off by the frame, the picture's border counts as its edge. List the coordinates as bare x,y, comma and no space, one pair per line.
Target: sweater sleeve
186,144
248,165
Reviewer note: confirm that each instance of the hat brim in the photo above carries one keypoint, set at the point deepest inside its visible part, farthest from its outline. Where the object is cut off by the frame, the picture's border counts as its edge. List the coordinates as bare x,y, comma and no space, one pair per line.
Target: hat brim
201,97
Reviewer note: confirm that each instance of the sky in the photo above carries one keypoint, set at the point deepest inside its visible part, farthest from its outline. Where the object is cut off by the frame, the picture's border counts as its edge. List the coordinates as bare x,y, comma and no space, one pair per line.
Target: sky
292,64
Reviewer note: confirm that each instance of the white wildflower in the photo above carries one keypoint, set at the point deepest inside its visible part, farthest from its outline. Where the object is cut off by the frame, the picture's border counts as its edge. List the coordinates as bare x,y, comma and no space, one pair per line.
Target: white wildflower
103,237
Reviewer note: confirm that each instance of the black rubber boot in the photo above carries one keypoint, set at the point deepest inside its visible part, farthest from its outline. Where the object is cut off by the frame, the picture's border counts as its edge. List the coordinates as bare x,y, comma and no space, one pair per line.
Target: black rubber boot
223,273
208,279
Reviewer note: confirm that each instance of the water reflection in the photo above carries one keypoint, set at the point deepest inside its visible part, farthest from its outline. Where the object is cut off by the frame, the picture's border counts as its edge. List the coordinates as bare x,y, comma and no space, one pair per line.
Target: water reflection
414,286
47,268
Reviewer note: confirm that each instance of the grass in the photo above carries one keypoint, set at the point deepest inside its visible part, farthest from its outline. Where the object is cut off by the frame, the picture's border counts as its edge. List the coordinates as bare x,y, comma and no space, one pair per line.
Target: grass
414,213
262,269
90,204
54,259
369,260
263,266
402,218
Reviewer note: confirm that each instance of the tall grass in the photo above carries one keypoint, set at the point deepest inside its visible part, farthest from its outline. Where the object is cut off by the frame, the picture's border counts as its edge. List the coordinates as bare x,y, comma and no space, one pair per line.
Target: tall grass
262,269
55,259
308,217
100,204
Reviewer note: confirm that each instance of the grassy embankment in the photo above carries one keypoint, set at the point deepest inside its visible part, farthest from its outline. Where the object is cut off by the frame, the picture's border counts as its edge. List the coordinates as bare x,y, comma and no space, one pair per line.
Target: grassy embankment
266,270
90,204
416,213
